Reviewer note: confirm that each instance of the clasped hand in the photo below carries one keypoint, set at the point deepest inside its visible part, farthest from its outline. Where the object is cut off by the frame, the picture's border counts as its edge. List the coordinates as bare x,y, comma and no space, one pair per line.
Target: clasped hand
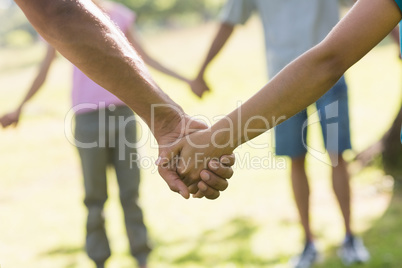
193,163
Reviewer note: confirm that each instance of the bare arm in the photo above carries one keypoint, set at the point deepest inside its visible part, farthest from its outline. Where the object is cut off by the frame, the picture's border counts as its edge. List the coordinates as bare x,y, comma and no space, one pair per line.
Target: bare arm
198,85
299,84
12,118
222,36
306,79
134,40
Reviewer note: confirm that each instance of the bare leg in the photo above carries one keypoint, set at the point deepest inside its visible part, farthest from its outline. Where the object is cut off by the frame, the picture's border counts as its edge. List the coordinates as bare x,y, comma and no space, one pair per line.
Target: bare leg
340,184
301,193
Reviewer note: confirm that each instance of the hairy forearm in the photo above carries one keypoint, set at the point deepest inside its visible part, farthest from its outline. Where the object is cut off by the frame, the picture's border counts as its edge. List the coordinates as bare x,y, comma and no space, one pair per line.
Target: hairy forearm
87,37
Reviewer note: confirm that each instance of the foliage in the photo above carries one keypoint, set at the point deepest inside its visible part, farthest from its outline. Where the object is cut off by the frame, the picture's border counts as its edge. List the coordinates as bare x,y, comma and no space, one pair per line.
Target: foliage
15,28
149,12
164,11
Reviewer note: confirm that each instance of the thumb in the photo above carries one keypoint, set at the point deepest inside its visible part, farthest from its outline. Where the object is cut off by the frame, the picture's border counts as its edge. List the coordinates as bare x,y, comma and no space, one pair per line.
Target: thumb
167,162
167,155
174,182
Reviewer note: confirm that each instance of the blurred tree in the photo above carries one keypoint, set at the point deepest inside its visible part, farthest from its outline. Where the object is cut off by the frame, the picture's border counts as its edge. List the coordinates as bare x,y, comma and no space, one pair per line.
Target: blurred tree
152,12
14,26
392,149
388,148
162,11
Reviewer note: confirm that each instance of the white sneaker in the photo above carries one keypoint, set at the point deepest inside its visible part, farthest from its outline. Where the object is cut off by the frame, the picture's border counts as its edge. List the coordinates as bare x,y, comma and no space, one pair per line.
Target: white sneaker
307,258
353,251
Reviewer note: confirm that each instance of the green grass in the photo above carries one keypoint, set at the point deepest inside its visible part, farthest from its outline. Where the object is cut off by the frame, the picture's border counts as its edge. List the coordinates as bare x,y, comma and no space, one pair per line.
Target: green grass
253,224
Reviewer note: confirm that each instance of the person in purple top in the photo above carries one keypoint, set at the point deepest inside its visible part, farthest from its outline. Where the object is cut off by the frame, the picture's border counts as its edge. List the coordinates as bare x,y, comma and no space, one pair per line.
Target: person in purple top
105,134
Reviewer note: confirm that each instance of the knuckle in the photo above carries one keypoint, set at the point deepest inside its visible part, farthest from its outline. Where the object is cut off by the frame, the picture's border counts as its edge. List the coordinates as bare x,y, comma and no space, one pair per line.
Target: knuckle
213,164
193,176
193,189
181,171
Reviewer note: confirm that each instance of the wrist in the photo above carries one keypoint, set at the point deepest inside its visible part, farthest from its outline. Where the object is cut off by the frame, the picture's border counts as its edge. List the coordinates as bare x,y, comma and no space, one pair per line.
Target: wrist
200,75
224,135
165,118
19,108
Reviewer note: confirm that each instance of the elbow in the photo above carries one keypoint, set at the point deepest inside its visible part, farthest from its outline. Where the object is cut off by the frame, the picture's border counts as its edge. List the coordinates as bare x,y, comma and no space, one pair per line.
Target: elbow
49,17
332,61
57,11
55,16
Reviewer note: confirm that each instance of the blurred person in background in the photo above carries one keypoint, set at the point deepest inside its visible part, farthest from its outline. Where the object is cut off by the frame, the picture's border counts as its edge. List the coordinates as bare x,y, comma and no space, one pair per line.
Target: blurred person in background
103,119
285,40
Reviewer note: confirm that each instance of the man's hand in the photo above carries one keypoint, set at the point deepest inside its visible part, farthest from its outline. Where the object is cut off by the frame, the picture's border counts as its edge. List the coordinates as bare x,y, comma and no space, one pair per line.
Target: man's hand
171,161
192,158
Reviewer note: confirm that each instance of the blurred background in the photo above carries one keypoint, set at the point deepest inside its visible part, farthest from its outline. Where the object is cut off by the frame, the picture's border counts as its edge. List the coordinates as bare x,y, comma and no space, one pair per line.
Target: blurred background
254,223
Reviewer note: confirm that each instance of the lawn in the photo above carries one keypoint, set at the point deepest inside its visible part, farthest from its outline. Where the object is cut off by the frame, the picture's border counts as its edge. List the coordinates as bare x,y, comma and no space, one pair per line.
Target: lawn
253,224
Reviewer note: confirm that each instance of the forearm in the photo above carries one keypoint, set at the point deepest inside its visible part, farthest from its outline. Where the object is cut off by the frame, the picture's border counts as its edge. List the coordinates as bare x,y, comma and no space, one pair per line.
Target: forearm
306,79
294,88
223,34
85,36
41,76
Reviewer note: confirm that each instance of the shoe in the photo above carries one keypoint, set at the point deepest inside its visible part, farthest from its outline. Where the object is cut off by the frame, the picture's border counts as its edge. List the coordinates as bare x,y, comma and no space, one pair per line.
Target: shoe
306,258
353,251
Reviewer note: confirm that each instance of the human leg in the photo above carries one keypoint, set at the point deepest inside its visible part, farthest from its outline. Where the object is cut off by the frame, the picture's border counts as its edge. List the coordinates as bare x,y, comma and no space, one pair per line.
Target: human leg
341,187
301,192
290,141
334,113
93,161
334,118
128,176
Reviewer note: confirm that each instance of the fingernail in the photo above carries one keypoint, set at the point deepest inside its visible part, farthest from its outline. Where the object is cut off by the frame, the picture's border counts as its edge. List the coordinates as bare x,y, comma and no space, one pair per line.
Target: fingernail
202,187
205,176
158,161
181,193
